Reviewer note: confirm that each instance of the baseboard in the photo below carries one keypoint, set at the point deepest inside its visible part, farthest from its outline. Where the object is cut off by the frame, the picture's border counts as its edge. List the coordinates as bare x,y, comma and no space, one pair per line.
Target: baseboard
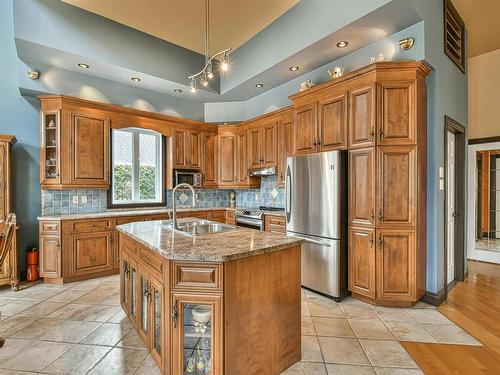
434,298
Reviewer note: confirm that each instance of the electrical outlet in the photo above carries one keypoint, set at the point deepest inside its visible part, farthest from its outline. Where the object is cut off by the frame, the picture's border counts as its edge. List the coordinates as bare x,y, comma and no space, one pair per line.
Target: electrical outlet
75,199
441,184
197,196
256,197
441,172
84,199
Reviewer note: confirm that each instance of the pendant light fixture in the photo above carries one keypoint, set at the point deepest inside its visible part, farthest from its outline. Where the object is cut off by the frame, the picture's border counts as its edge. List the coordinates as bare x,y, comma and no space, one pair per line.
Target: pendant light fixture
206,74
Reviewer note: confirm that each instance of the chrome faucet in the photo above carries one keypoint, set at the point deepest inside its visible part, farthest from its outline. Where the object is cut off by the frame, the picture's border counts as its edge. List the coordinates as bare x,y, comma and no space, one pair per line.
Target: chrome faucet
174,204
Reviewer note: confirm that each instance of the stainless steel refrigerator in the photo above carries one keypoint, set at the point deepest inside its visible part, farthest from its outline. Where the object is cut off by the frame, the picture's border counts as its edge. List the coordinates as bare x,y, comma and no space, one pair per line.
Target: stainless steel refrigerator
316,211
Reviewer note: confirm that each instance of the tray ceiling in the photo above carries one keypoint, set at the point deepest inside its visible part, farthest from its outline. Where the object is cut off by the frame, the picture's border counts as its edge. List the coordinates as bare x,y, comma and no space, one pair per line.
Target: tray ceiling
183,22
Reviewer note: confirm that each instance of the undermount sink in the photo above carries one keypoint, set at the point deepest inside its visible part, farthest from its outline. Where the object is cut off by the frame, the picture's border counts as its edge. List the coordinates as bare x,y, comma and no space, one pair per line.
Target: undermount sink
200,227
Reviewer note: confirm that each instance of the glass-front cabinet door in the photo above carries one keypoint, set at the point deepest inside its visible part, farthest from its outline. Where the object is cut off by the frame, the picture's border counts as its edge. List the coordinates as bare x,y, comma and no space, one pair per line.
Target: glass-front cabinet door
50,148
133,291
144,298
157,326
125,283
196,333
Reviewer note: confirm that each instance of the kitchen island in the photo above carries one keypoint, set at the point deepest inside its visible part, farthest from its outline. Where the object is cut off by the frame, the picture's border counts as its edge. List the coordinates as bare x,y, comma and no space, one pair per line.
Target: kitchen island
218,303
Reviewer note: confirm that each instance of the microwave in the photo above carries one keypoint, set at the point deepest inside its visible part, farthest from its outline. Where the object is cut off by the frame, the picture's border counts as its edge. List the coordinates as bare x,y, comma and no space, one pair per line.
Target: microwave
192,178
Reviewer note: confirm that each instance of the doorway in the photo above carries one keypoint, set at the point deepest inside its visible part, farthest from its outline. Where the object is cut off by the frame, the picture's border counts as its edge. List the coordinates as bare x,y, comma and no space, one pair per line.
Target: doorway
454,202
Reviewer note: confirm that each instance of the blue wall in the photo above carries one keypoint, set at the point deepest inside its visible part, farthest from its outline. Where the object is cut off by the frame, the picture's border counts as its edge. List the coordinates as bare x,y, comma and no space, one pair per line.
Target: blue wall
20,117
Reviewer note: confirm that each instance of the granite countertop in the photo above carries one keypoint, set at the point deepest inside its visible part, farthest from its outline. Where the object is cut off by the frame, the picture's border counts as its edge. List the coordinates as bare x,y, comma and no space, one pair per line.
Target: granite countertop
129,212
219,247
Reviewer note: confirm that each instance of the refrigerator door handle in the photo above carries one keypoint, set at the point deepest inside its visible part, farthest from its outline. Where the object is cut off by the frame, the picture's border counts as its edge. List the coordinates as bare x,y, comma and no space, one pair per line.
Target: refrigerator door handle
313,240
288,194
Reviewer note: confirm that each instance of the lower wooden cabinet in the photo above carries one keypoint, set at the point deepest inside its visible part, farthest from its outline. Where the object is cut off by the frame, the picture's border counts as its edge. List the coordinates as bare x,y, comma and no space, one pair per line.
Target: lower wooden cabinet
196,333
90,253
274,224
50,258
230,217
362,261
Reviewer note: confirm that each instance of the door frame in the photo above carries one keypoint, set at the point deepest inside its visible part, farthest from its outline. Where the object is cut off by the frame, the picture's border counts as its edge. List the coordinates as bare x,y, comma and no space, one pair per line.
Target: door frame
458,129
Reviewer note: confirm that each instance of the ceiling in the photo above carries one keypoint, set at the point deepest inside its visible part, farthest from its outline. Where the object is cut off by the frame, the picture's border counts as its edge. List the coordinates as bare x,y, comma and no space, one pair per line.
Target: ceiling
483,24
183,22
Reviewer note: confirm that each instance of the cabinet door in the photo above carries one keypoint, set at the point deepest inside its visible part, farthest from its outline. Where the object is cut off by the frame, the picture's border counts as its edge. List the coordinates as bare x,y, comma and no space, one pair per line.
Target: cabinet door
210,162
227,159
144,304
396,186
304,133
362,117
397,118
285,148
180,140
219,216
90,253
89,156
196,334
50,256
241,158
158,317
125,280
269,145
396,265
333,124
254,137
362,261
194,149
362,187
50,148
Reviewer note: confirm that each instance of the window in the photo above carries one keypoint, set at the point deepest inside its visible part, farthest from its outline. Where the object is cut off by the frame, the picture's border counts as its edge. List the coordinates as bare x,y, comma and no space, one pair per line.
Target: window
137,167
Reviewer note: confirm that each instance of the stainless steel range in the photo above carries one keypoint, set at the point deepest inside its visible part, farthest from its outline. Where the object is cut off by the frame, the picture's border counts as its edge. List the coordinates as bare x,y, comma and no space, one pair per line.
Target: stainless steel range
252,217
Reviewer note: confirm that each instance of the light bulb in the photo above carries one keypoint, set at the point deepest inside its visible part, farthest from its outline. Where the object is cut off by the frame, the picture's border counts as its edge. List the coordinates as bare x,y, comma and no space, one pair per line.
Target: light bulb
204,82
224,65
192,85
210,74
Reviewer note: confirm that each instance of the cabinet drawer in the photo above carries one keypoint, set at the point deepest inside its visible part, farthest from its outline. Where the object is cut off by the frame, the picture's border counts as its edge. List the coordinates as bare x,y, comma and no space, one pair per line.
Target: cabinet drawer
53,227
196,276
274,224
219,216
152,262
91,225
129,246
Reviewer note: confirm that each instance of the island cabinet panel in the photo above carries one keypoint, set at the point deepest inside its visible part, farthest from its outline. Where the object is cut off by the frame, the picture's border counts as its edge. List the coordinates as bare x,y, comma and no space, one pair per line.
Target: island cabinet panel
305,129
285,147
362,187
125,283
332,124
397,113
89,153
396,260
362,261
362,116
210,163
197,327
196,276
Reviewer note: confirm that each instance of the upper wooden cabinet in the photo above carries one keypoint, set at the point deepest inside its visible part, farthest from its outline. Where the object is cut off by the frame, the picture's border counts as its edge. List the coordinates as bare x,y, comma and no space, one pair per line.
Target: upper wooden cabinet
332,126
210,163
285,147
262,145
227,160
75,146
362,187
305,129
362,117
187,149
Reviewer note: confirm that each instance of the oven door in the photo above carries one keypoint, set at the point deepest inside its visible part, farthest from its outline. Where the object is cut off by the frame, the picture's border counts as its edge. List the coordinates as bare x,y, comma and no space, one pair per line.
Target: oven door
248,222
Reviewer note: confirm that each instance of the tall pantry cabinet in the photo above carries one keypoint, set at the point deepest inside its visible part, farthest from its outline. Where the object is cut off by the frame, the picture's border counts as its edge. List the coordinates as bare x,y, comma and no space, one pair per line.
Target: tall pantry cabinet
386,141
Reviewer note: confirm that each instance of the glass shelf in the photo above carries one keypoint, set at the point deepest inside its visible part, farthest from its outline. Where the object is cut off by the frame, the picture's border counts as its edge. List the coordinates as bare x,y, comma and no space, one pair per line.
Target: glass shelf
197,339
50,142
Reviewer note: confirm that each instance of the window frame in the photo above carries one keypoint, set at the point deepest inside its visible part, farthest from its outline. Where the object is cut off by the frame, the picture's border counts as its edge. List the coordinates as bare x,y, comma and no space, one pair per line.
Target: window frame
162,159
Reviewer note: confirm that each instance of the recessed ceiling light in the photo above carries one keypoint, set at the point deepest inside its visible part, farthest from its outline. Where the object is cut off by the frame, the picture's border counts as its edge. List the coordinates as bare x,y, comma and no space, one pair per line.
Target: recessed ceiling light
177,91
136,79
259,85
342,44
294,68
84,66
225,123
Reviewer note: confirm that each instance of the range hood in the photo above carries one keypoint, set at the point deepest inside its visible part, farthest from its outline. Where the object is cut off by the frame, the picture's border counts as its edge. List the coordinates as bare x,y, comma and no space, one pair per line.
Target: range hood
269,171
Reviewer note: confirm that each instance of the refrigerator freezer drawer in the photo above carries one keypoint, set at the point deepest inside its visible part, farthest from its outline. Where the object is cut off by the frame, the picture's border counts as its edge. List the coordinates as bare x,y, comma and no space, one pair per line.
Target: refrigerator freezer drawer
321,265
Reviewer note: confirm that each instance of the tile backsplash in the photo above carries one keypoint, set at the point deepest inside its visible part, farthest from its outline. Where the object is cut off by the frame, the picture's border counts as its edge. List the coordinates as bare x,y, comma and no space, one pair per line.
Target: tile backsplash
60,202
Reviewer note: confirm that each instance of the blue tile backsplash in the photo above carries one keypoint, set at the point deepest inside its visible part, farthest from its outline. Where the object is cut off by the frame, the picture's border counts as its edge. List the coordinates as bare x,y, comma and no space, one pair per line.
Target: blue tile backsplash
60,202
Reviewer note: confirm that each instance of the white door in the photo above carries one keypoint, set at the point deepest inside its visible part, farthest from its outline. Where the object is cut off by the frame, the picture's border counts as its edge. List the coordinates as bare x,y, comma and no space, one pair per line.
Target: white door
450,214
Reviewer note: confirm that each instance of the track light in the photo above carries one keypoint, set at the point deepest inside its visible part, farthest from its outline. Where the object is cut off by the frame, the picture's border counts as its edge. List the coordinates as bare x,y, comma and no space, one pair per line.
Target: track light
192,85
225,63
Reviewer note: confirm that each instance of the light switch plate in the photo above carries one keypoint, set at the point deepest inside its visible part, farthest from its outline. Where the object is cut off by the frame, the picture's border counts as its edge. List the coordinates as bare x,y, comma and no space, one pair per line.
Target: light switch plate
441,172
75,199
84,199
441,184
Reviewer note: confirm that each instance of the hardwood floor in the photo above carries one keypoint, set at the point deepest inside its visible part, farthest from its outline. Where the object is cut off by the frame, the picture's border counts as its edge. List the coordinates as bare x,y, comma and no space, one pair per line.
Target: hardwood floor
475,306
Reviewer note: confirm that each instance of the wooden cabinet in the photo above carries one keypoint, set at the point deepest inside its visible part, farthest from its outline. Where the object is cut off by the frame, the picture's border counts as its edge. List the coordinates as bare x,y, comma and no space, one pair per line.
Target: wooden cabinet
241,158
230,217
305,129
274,224
187,149
227,160
75,146
362,187
210,163
262,145
362,116
362,261
50,257
90,253
396,265
219,216
196,328
285,147
129,287
332,124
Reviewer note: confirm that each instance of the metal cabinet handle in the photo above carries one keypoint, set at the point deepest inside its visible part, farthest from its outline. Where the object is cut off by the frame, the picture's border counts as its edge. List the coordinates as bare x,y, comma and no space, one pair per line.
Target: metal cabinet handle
372,215
380,240
380,215
372,240
175,315
381,134
372,133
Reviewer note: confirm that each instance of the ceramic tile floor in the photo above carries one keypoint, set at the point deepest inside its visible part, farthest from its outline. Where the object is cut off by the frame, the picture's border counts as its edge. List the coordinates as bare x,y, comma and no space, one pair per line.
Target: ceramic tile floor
355,338
79,328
